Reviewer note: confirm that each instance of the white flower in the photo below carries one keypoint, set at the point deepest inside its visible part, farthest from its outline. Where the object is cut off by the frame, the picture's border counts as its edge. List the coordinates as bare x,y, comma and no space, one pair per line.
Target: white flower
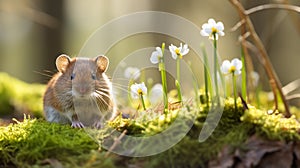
137,90
234,66
156,56
211,28
178,51
132,73
255,78
156,94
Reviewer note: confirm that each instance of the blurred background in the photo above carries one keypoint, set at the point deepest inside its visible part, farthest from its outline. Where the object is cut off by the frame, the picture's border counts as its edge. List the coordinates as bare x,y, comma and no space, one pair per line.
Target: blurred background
34,32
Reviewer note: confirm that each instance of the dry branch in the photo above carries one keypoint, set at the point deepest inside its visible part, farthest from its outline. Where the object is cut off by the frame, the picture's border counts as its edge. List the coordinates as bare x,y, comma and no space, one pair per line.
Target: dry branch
274,81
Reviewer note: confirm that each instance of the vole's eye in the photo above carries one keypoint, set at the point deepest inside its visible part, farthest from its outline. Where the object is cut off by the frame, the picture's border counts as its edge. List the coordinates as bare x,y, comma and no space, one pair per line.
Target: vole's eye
72,76
93,76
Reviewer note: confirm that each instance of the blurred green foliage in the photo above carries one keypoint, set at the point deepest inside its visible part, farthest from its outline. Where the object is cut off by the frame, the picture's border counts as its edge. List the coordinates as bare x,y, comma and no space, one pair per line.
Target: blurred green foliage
19,97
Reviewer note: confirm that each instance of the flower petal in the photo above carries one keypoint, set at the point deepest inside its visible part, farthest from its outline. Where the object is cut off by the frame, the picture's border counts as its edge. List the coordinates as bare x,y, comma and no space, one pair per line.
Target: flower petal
158,49
255,78
172,49
203,33
144,88
132,72
237,63
185,50
225,67
154,57
208,30
180,47
133,89
174,55
221,33
205,26
220,26
212,22
237,72
156,94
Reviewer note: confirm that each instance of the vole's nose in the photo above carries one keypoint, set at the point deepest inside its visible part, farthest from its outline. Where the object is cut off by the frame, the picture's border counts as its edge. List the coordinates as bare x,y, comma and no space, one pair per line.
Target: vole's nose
81,90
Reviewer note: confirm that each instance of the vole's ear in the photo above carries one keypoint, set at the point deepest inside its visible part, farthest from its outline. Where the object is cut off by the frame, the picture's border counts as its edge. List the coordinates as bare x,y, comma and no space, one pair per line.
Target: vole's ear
102,63
62,62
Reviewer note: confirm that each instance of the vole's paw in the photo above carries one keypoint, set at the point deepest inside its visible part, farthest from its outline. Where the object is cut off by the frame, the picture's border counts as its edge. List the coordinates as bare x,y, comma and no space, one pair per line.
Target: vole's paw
77,124
98,125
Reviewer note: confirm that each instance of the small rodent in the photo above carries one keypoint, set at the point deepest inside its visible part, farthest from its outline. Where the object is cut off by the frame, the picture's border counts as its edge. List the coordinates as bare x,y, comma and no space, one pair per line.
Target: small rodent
80,93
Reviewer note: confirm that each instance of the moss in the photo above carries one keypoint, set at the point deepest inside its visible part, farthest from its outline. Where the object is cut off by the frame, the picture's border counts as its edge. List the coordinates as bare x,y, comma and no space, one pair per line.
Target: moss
273,126
20,97
189,152
234,128
33,140
146,127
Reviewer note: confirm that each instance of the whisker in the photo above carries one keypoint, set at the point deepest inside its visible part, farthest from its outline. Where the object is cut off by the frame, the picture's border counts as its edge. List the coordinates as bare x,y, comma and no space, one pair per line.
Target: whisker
95,101
121,85
121,79
122,89
102,94
103,102
45,73
103,89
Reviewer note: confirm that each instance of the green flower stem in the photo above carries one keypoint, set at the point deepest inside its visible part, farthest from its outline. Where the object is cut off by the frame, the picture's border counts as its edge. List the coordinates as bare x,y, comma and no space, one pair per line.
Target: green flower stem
216,69
178,90
244,76
177,82
178,69
234,90
164,79
143,102
206,74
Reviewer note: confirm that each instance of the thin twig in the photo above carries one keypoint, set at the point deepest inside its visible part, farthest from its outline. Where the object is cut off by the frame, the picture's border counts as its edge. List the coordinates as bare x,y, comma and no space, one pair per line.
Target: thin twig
266,61
292,86
116,142
273,86
293,96
244,35
272,6
285,6
237,25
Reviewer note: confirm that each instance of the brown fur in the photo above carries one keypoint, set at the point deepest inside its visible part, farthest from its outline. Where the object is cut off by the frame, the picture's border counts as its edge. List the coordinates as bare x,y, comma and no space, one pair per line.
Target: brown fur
89,87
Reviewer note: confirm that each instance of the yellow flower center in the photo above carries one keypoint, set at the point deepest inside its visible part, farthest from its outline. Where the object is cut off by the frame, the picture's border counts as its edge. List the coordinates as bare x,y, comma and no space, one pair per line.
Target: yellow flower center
214,30
140,91
177,51
232,69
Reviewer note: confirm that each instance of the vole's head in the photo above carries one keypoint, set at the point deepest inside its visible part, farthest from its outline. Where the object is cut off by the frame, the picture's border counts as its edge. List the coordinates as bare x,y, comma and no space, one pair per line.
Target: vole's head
82,77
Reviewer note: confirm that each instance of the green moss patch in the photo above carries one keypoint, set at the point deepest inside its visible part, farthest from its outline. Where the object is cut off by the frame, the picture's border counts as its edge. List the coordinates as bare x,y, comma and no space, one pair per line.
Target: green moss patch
33,141
273,126
18,97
